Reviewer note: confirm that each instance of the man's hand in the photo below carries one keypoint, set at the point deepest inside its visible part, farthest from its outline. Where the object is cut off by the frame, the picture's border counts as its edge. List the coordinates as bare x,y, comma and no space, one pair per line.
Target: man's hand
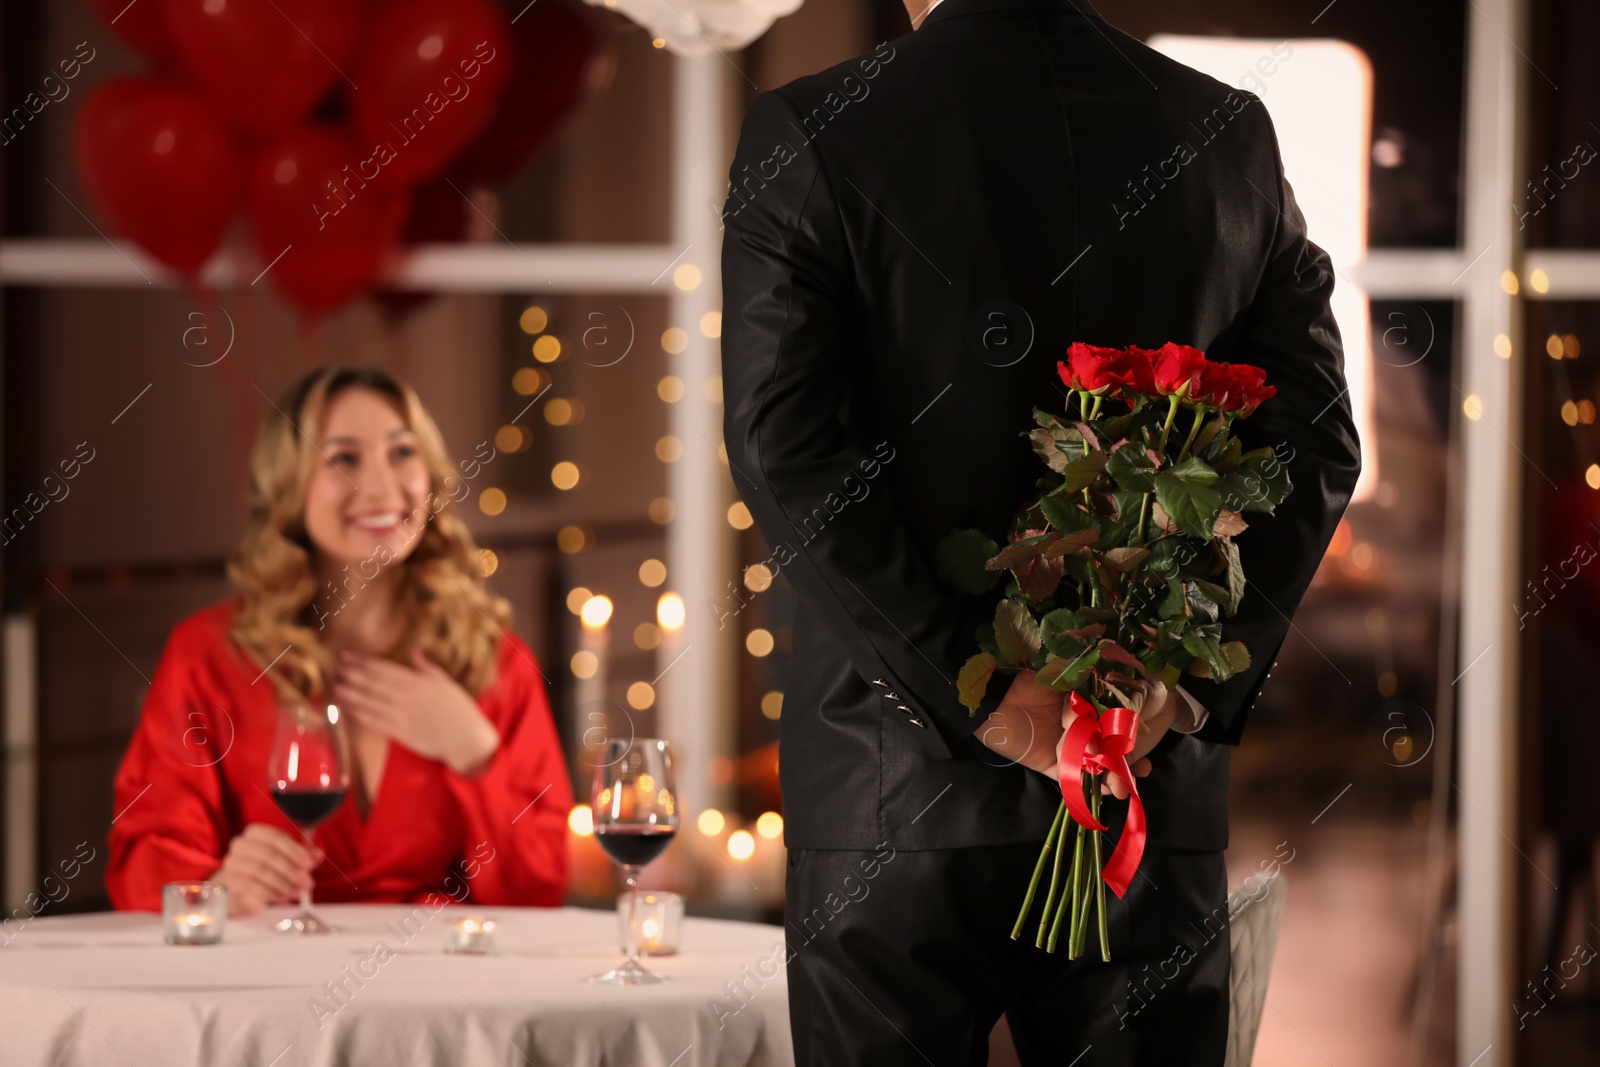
1032,721
1158,709
1028,726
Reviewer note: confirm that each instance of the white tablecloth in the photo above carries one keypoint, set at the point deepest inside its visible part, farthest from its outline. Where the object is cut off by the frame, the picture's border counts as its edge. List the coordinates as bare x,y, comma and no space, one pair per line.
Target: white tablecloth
103,989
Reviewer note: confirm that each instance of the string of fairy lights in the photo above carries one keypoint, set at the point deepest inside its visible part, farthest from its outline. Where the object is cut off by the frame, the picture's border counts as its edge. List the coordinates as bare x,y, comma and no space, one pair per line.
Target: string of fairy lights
1574,411
595,610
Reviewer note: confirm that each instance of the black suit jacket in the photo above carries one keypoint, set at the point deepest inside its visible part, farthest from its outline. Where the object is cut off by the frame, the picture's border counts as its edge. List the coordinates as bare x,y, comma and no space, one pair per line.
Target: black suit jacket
911,241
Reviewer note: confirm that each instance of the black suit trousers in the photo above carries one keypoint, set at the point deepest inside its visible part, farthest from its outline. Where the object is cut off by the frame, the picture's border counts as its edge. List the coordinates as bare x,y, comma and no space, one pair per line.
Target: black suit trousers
906,958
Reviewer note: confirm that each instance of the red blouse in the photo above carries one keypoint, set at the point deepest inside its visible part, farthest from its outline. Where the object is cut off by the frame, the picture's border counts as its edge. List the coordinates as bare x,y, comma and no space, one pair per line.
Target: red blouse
195,775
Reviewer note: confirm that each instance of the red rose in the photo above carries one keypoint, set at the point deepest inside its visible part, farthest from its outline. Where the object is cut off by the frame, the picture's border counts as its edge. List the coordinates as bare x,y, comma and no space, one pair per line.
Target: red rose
1140,371
1177,369
1216,384
1068,379
1250,388
1239,387
1102,370
1091,367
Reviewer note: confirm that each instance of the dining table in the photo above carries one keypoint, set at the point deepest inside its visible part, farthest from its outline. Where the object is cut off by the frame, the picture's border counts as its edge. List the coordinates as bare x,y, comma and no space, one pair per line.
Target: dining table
104,988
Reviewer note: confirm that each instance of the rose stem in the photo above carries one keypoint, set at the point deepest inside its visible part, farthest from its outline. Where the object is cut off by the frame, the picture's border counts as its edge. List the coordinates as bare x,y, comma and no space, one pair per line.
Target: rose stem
1083,920
1079,879
1050,895
1172,412
1068,908
1100,892
1038,869
1199,415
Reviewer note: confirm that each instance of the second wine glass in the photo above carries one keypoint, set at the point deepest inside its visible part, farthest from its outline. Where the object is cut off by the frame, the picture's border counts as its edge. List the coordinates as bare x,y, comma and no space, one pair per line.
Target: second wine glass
635,818
309,777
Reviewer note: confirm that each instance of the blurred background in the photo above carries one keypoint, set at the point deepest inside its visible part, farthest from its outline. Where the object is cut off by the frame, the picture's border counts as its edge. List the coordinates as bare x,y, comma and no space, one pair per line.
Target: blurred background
1420,764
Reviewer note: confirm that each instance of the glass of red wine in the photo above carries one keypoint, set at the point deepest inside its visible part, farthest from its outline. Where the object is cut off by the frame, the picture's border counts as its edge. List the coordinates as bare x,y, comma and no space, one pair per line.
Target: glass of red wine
309,775
635,817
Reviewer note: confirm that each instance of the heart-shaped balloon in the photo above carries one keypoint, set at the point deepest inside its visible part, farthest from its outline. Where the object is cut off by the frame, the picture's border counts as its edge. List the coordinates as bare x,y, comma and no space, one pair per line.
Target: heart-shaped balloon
431,73
560,61
161,166
320,221
265,62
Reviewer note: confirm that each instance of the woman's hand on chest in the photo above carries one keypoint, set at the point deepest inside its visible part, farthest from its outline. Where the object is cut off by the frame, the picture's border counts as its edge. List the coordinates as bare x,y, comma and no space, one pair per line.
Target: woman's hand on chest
420,706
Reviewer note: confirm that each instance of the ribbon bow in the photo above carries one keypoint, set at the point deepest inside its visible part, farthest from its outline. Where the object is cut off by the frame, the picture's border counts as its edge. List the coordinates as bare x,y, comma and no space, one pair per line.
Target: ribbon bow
1117,729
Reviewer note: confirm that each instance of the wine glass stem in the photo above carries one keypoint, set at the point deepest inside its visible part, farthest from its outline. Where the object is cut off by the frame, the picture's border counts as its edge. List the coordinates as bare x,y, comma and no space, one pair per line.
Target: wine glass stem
305,894
630,876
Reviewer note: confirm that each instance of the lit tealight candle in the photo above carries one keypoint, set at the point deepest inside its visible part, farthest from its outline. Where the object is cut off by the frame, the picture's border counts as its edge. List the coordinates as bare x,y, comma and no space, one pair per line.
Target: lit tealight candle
473,935
657,920
193,912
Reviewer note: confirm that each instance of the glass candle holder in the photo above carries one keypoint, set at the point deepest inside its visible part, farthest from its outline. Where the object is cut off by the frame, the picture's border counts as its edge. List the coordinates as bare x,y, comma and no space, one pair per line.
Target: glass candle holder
657,922
471,935
193,913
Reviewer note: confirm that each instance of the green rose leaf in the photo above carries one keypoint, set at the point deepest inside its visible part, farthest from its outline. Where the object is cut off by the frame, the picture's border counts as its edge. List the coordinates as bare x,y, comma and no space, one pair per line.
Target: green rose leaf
1015,633
1063,675
1038,579
1046,419
1236,582
1235,658
1209,435
1126,559
1195,471
1167,554
1110,650
1018,552
1066,544
973,681
962,555
1202,642
1191,505
1114,426
1204,599
1081,473
1175,606
1066,633
1260,482
1229,524
1224,451
1132,469
1128,504
1078,570
1067,515
1056,445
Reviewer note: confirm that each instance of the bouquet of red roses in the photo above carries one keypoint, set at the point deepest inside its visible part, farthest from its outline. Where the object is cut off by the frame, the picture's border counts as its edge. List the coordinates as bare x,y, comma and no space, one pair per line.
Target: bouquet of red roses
1119,571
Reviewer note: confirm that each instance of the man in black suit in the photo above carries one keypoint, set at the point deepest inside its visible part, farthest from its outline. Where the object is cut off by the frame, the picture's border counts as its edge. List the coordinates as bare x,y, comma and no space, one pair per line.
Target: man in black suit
912,239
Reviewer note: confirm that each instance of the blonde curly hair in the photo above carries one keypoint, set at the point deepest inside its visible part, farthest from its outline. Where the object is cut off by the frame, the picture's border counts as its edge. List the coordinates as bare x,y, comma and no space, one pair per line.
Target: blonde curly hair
456,621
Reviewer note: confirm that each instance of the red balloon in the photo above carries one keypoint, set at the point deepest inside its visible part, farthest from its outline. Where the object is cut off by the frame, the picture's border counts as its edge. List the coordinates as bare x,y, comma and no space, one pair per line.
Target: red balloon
161,166
265,62
438,213
431,73
141,26
324,229
560,61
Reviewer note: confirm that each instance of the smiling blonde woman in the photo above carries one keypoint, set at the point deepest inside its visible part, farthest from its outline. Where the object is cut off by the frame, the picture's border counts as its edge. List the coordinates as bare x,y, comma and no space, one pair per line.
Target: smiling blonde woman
357,584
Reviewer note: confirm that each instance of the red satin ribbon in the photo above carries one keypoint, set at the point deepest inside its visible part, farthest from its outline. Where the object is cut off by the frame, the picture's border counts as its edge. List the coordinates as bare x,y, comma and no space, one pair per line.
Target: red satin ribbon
1117,729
